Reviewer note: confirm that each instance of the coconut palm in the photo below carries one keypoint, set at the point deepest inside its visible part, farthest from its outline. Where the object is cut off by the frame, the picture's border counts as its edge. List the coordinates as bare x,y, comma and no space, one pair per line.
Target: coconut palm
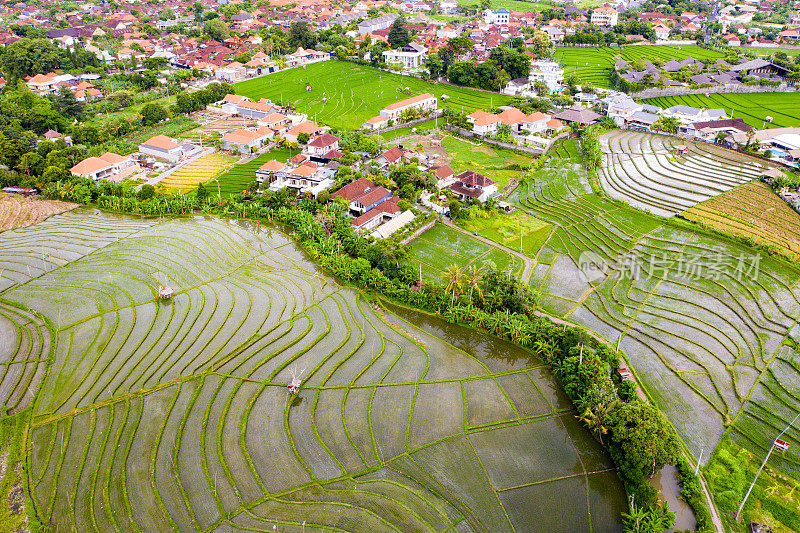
472,279
453,276
595,416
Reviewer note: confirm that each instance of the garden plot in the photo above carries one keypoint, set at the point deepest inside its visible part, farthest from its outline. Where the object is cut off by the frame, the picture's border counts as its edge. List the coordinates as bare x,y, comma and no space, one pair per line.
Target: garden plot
646,171
158,415
699,318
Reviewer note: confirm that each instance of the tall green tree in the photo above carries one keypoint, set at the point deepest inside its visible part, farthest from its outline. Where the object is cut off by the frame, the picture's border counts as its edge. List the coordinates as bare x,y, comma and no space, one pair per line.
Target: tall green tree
27,57
641,441
399,36
215,29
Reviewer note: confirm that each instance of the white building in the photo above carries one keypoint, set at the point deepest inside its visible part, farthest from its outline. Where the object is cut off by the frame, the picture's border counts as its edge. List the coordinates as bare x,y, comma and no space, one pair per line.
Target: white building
305,178
604,16
410,56
423,102
549,72
163,148
499,17
380,23
107,166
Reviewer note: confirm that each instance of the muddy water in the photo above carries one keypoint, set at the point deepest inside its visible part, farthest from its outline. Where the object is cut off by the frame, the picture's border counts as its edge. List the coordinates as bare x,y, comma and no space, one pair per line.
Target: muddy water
667,484
558,505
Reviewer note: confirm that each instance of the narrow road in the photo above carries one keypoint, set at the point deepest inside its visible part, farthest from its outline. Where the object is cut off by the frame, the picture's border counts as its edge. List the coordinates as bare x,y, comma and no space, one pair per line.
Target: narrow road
526,272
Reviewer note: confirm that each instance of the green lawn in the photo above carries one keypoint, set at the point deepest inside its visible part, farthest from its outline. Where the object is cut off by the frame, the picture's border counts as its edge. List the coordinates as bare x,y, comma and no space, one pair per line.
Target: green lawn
594,65
484,159
239,177
506,229
355,93
784,108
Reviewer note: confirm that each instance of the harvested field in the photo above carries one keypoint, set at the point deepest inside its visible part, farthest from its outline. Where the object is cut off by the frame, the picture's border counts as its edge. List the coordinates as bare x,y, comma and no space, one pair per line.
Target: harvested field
199,171
19,211
752,211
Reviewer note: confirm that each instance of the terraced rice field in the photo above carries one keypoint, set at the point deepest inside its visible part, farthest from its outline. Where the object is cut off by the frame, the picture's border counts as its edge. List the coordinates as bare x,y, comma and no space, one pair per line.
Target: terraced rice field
237,179
18,211
594,65
173,415
753,211
703,331
199,171
646,171
753,108
441,246
355,93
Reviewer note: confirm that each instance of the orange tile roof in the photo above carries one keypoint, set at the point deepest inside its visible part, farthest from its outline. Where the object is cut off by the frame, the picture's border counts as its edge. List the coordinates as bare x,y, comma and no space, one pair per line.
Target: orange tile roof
409,101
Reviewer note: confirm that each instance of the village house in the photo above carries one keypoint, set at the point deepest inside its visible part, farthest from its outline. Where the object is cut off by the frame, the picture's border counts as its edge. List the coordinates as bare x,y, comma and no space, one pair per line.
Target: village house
267,171
108,166
471,185
322,144
246,141
422,102
163,148
307,127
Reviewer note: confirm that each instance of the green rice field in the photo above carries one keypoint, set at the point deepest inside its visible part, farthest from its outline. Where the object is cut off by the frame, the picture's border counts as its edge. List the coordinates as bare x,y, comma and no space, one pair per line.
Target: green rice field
517,230
239,177
594,65
355,93
441,246
512,5
753,108
143,414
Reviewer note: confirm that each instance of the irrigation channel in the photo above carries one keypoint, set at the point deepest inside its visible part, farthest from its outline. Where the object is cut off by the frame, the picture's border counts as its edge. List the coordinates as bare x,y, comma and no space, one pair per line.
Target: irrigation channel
164,415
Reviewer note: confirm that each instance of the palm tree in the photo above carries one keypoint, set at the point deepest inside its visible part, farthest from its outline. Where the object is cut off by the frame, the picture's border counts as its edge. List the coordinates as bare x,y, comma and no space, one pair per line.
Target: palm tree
452,275
594,417
472,279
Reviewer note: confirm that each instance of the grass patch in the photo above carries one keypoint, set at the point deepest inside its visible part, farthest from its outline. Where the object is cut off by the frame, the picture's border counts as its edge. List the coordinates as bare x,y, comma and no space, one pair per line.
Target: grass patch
773,502
484,159
506,229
